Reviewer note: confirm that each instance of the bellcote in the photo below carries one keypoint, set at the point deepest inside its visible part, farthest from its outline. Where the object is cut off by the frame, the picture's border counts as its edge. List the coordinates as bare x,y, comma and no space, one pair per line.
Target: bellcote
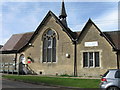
63,14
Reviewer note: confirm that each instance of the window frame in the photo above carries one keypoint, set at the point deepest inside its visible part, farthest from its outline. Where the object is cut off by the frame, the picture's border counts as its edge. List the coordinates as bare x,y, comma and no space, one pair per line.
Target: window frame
88,59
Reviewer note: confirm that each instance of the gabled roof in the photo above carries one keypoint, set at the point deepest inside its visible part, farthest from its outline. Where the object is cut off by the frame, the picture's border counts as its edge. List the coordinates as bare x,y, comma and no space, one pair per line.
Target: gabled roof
71,34
107,36
114,37
19,41
16,42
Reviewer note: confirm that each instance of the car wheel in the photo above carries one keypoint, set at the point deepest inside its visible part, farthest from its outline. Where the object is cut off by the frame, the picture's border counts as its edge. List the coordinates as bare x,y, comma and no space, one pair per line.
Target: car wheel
113,88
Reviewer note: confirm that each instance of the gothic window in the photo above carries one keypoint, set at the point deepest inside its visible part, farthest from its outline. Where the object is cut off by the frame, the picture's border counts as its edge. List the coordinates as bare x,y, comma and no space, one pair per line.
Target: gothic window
49,46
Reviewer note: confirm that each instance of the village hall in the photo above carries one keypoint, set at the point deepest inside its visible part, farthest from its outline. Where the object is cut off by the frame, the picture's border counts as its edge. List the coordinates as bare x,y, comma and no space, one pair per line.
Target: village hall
54,49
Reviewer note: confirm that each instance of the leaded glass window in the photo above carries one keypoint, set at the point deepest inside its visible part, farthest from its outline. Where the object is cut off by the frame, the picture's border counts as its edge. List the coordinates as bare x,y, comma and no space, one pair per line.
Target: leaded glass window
49,46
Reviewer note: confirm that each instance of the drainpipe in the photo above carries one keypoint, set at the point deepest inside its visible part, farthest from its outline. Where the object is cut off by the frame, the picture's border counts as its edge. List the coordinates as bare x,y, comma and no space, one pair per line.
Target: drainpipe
117,60
15,60
75,57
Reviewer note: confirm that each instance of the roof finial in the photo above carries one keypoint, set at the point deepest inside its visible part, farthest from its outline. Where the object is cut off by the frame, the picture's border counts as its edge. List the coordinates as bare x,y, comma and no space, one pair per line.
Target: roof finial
63,14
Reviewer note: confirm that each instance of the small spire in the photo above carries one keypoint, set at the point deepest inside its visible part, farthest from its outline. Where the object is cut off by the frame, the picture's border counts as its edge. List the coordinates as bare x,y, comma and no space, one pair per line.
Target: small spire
63,14
63,11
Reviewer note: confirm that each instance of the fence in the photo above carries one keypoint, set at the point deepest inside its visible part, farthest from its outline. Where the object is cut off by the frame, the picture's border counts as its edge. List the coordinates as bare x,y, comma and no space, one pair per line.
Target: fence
8,68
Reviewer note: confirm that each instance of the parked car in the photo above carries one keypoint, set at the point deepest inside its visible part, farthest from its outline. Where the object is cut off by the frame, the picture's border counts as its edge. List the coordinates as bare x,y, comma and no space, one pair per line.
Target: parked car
111,80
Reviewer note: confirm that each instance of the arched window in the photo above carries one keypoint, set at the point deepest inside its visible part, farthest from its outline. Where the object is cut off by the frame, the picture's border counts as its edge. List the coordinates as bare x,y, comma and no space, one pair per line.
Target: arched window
49,46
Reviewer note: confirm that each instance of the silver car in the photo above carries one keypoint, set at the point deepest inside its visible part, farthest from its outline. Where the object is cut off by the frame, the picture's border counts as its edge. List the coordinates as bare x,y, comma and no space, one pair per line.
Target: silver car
111,80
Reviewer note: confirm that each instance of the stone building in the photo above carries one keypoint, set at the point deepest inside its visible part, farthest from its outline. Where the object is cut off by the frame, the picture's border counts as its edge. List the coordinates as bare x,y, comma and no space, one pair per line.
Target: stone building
54,49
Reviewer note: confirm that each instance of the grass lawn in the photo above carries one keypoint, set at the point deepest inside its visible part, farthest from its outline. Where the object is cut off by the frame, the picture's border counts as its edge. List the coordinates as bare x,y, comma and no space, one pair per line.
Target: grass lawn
72,82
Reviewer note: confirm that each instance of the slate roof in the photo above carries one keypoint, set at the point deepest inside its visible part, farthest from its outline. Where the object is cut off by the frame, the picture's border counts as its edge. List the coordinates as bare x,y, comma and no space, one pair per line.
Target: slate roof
114,37
16,42
77,34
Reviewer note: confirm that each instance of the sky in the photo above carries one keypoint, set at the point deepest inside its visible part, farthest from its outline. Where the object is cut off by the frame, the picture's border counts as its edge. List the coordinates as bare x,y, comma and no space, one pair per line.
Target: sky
25,15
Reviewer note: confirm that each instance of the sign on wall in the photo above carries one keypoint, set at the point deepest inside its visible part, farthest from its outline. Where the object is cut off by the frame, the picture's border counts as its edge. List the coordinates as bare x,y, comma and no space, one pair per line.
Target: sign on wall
91,44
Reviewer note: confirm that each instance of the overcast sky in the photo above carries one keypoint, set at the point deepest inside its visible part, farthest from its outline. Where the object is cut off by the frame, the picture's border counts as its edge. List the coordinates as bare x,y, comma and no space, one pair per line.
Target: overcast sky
24,16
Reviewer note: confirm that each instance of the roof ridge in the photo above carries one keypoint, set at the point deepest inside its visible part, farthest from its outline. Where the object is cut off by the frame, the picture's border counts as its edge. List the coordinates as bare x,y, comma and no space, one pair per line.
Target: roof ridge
111,31
23,33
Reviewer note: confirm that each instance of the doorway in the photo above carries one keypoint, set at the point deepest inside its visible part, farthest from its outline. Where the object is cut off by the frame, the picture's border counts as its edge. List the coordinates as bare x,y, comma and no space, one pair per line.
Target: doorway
21,64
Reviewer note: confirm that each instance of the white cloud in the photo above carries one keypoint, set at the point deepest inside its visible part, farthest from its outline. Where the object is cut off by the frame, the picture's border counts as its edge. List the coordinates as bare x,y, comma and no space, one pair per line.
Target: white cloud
78,27
3,41
6,34
108,21
0,24
28,21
